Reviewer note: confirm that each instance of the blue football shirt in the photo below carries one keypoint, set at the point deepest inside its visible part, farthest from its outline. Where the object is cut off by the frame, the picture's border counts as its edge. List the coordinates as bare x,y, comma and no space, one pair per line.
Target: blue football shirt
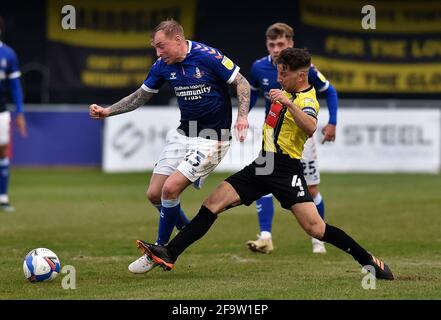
200,83
8,70
264,77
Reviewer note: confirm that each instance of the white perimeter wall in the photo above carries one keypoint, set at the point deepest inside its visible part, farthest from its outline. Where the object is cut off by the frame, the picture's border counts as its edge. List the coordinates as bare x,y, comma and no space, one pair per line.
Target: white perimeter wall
368,140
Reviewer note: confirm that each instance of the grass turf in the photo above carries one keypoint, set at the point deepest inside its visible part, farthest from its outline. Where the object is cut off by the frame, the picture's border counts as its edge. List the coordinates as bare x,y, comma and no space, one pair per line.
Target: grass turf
91,220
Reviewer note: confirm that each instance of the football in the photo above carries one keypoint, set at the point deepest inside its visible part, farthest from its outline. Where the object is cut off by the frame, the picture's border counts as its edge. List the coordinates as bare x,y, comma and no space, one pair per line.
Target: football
41,264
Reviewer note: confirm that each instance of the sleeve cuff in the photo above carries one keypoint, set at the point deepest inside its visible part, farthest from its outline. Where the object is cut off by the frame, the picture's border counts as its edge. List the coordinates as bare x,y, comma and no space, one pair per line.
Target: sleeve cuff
14,75
325,87
145,88
233,76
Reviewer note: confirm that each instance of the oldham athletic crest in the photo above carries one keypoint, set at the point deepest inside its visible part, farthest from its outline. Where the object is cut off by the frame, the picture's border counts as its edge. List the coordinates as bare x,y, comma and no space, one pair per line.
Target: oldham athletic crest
198,74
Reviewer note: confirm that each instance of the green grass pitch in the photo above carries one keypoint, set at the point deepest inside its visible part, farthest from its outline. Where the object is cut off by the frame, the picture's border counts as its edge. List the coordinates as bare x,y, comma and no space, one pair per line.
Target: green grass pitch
91,221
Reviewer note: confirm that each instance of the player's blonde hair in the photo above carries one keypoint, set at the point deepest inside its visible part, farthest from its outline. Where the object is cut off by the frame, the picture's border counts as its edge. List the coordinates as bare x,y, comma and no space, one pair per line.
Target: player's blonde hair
170,27
278,30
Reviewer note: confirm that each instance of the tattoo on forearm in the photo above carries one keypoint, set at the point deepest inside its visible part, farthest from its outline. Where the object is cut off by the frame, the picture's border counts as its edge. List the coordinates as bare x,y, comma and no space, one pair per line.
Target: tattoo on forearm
243,94
131,102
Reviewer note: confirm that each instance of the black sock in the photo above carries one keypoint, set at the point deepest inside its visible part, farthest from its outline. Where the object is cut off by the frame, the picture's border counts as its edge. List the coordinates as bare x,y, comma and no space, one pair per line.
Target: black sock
341,240
192,232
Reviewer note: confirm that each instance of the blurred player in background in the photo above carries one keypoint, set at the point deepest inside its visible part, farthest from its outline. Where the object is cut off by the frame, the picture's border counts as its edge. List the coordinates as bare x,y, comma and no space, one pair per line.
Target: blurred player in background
291,120
9,78
200,76
264,78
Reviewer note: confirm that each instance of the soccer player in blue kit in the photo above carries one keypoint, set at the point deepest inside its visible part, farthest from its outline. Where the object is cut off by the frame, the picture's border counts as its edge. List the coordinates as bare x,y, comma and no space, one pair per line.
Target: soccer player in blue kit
264,78
9,77
200,76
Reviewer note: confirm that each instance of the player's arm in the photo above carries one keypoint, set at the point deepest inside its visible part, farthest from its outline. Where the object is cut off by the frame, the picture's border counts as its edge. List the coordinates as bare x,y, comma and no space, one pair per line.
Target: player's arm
17,93
127,104
135,100
322,85
303,120
17,97
229,72
332,103
243,95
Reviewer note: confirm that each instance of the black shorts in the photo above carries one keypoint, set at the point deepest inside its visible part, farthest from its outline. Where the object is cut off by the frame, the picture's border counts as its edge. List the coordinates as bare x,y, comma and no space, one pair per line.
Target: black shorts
286,181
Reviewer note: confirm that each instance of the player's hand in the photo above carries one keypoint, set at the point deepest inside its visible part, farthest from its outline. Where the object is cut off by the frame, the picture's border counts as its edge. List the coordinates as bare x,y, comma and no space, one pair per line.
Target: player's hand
328,133
277,95
21,125
98,112
241,128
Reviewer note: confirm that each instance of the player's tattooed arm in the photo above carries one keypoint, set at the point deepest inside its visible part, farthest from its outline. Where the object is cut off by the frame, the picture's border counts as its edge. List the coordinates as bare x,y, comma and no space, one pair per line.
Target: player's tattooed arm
243,94
131,102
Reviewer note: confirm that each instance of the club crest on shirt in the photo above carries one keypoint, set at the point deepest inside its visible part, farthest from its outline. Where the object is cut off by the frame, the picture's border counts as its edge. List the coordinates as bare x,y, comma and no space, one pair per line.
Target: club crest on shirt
265,82
198,73
172,75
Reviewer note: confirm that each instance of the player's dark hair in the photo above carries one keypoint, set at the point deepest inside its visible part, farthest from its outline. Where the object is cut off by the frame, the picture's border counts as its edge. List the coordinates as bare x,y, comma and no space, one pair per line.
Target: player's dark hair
278,30
294,58
170,27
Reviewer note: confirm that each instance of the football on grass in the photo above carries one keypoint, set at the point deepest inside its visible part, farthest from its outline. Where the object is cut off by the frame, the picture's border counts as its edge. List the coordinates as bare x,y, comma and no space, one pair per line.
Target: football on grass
41,264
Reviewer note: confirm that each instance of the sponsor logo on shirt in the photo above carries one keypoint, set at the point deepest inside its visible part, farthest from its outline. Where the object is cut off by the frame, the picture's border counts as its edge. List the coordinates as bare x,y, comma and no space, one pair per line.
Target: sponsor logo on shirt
227,63
193,92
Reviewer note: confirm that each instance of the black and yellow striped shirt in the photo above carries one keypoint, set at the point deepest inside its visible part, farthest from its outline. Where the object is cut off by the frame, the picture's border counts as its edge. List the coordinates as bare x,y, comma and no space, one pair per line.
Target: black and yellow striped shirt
280,132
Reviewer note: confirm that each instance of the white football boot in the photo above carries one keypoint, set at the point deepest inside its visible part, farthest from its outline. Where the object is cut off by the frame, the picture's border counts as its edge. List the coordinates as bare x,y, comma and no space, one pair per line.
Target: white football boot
261,245
142,265
6,207
318,246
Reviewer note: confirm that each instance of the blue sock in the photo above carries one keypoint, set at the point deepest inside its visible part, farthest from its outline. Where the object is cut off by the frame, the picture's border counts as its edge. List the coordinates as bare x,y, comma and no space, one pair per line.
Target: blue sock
4,176
182,219
265,212
320,204
167,220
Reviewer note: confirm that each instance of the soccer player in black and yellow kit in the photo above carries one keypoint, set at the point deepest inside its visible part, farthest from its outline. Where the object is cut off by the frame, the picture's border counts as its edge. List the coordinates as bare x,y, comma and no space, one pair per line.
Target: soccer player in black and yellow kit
290,121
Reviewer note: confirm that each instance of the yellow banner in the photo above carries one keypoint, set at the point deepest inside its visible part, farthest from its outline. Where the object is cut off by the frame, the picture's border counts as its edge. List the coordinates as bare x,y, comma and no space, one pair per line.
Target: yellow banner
115,24
391,16
353,76
109,71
